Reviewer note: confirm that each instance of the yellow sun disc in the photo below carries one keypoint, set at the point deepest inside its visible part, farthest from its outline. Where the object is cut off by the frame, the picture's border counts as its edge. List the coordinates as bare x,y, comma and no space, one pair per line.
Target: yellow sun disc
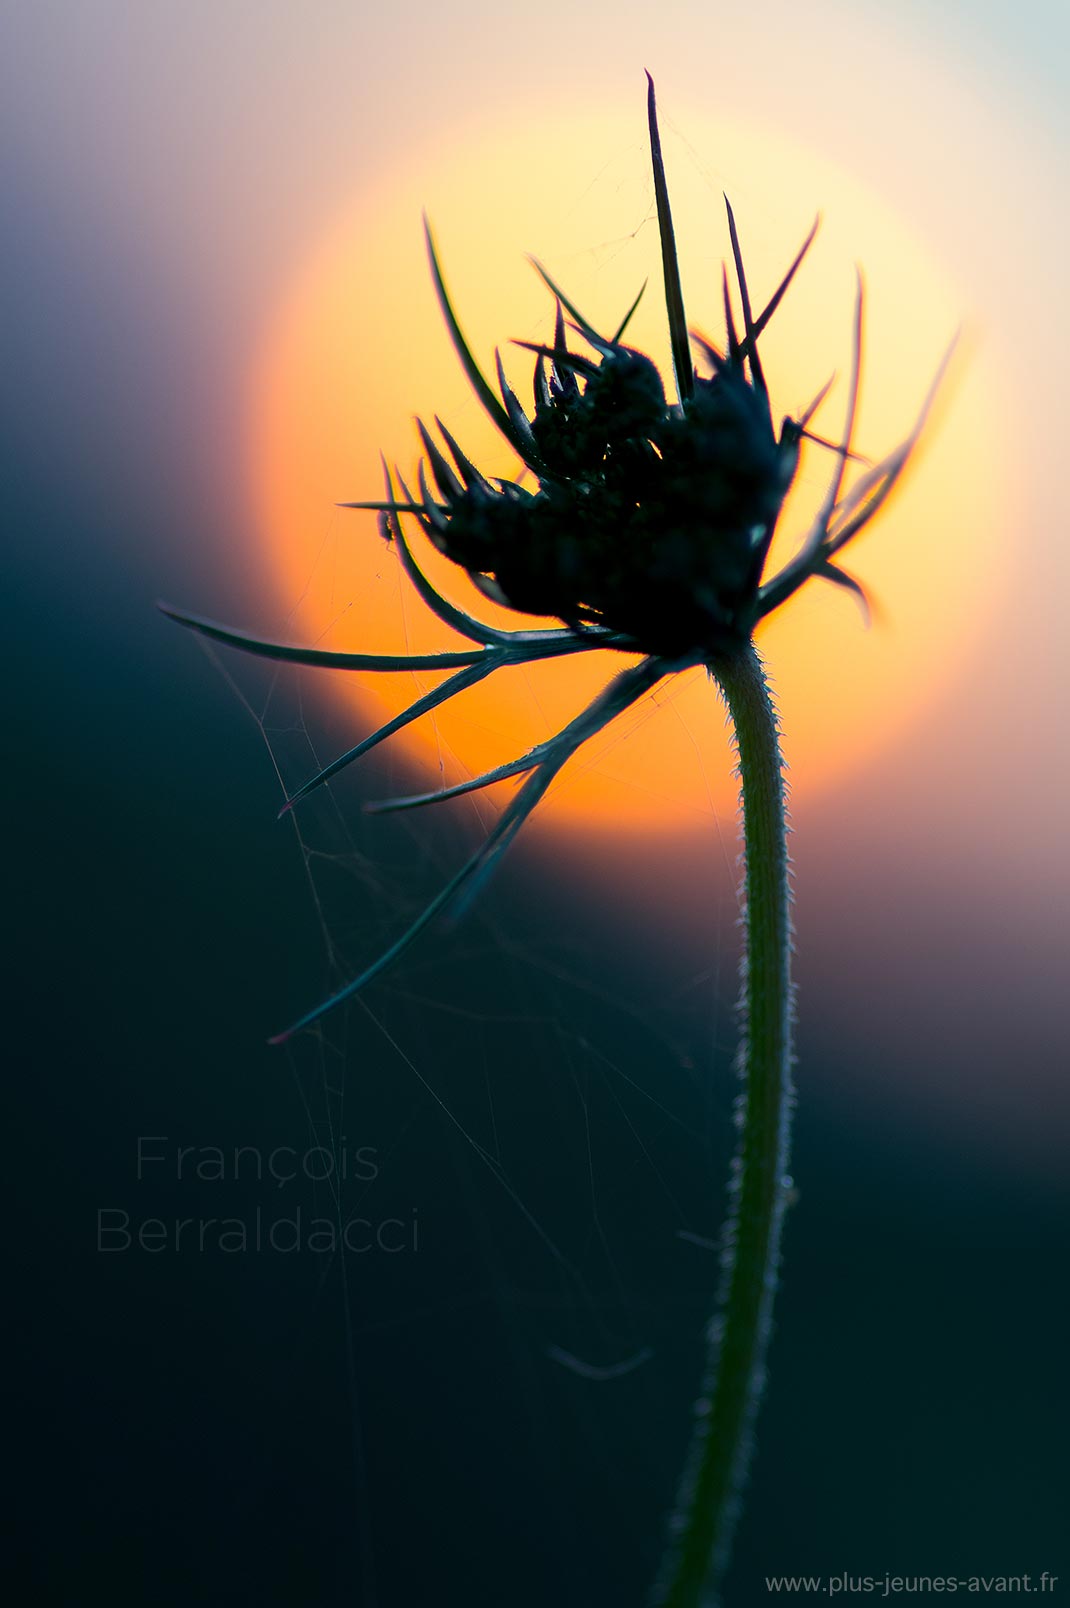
359,347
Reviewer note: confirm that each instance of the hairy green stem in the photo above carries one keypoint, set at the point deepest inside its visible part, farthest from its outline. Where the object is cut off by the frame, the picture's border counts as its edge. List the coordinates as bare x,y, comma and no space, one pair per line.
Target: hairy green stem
739,1331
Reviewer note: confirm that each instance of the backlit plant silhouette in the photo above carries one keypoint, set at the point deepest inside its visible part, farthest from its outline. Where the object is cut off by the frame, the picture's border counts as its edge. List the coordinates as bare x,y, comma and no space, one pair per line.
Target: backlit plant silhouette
647,533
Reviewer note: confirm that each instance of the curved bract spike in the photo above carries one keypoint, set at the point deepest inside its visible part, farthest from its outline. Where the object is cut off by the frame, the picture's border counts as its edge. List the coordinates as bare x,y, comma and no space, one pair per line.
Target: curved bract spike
879,486
559,642
473,784
615,340
840,577
543,399
715,358
860,498
744,295
586,329
833,446
808,412
449,485
321,658
560,343
520,420
435,522
778,295
872,490
792,576
568,360
396,950
562,375
832,495
441,694
674,296
729,319
454,617
469,473
475,375
839,520
624,690
385,507
603,348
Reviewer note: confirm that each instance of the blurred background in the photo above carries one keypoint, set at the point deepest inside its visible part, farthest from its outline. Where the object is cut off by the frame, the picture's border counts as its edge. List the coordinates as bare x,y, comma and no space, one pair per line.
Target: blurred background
215,311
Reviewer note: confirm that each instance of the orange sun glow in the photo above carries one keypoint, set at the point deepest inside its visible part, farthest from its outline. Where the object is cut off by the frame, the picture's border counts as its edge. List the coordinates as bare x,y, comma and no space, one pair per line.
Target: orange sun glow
358,348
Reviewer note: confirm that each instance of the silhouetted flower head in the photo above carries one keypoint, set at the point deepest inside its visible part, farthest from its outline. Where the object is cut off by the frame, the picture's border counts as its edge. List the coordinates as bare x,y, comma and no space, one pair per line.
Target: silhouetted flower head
640,523
649,518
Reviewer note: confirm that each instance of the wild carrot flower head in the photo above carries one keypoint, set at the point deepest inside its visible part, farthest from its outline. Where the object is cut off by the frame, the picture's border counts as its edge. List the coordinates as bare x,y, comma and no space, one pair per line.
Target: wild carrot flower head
647,518
644,525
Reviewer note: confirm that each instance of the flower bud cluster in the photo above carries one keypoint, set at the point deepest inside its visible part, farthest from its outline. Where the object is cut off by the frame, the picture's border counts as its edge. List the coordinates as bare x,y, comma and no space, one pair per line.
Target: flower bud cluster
649,518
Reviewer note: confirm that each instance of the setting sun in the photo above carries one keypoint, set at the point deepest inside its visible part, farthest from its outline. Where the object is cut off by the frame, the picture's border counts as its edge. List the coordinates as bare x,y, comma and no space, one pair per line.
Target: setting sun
358,348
